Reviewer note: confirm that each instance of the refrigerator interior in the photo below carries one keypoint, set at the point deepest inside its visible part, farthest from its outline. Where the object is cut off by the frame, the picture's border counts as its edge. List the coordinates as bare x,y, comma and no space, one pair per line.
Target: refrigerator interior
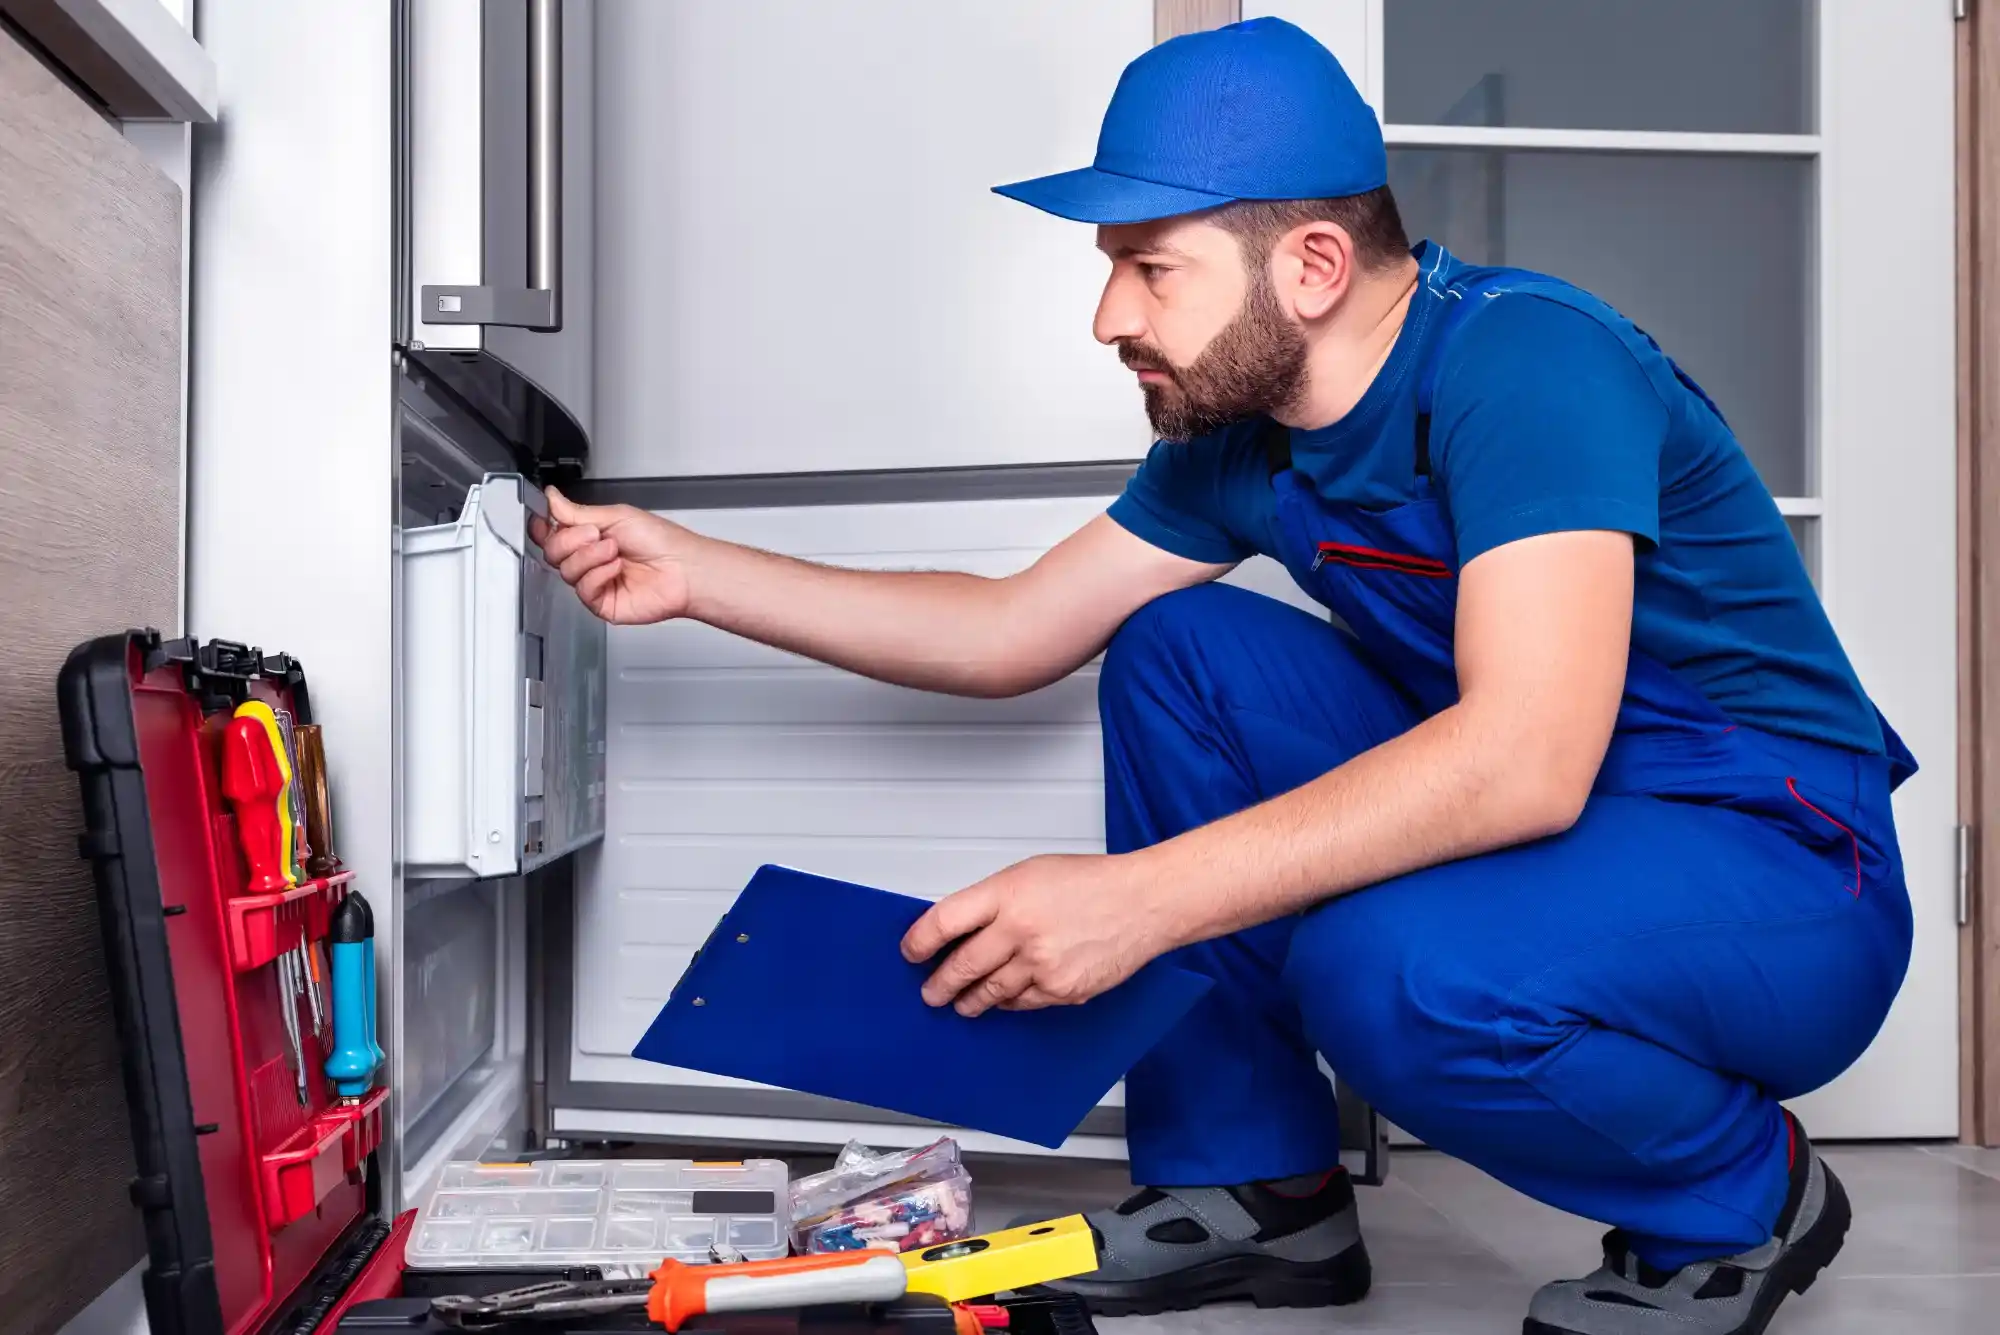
725,755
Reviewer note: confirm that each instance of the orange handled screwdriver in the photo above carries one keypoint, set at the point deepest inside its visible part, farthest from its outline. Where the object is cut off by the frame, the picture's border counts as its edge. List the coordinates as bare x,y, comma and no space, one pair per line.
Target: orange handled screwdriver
678,1292
682,1291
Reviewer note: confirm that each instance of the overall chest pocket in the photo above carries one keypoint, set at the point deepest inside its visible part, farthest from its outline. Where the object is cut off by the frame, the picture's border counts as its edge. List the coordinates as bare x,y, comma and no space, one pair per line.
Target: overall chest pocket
1375,558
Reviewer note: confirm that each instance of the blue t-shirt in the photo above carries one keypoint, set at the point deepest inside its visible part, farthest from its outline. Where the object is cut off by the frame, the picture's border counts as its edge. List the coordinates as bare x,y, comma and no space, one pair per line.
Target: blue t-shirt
1543,420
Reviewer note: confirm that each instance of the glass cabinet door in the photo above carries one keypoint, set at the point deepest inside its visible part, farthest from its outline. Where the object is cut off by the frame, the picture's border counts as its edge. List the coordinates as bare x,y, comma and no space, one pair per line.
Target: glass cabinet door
1766,187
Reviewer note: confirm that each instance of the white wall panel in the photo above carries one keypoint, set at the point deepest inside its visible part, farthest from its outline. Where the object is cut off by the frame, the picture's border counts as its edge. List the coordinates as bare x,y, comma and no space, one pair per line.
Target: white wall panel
726,755
1888,455
802,266
291,528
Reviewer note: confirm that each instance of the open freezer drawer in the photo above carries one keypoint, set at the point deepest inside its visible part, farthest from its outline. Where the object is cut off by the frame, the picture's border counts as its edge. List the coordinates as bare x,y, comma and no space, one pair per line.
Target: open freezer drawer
730,755
503,696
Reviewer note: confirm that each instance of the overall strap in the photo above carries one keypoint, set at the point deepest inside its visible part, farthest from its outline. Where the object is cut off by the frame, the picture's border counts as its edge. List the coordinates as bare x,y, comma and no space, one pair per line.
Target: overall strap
1472,294
1275,440
1460,300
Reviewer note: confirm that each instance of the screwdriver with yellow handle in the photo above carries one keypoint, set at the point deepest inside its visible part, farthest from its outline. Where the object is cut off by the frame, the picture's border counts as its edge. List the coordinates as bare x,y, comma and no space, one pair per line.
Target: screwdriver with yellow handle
257,779
954,1271
678,1292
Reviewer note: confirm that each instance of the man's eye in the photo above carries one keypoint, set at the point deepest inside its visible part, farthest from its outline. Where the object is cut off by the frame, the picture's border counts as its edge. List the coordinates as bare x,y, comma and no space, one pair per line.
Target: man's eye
1151,271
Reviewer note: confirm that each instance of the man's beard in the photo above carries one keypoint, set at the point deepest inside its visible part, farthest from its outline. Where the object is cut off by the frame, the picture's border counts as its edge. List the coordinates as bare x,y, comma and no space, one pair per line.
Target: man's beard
1257,364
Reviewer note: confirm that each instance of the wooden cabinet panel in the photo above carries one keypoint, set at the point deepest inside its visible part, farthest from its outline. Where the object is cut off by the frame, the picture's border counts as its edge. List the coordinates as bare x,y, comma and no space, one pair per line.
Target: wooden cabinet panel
90,502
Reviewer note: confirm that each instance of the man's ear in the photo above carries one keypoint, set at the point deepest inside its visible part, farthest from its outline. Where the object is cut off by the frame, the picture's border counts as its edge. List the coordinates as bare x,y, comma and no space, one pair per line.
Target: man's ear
1314,267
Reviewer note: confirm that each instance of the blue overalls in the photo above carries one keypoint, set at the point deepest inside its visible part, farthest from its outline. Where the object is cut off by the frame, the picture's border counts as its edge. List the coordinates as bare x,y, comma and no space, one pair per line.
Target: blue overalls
1605,1020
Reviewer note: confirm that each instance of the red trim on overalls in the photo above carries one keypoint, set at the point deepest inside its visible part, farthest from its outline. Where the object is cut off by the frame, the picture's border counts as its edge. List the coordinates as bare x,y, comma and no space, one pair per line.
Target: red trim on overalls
1854,889
1369,558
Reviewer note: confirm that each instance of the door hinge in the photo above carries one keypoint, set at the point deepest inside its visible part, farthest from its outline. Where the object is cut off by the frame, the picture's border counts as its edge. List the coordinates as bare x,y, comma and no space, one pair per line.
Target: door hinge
1964,875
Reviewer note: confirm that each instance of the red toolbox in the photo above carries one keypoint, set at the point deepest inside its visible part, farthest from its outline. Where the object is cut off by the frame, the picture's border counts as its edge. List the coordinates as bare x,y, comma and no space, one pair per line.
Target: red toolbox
261,1204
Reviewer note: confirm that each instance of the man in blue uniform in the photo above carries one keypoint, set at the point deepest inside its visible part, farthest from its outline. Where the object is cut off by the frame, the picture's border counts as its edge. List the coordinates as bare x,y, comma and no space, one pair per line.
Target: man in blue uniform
1569,846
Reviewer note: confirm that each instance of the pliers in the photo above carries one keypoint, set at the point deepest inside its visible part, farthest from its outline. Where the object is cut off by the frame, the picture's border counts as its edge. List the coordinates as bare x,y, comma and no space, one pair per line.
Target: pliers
554,1300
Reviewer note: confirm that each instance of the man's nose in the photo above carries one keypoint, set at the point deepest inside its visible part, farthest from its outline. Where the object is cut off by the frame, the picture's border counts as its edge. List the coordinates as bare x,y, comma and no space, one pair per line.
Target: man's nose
1118,317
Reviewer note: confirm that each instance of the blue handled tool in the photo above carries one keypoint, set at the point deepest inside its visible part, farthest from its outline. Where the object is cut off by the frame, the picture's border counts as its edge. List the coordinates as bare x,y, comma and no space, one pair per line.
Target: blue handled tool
356,1055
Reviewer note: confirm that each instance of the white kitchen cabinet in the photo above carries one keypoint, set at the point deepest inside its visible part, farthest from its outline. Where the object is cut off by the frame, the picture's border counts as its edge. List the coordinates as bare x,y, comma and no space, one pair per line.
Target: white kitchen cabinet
806,268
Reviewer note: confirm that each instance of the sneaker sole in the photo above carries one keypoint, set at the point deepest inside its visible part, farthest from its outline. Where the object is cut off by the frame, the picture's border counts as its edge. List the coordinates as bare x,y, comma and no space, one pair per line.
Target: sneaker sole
1794,1272
1264,1281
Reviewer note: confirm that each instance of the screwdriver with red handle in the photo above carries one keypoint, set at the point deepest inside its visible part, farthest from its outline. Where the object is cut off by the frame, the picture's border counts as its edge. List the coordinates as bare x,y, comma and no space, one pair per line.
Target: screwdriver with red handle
254,783
677,1293
256,778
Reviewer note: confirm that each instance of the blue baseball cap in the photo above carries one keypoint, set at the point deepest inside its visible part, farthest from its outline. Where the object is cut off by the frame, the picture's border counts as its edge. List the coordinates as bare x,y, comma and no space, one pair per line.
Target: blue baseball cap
1256,110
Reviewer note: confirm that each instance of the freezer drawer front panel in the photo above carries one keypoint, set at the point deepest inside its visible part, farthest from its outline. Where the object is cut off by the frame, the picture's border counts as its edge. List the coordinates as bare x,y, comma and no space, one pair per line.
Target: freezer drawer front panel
504,696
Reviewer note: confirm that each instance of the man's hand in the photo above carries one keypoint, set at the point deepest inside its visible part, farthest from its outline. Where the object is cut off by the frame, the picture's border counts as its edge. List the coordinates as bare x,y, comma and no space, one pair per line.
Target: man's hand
625,564
1051,931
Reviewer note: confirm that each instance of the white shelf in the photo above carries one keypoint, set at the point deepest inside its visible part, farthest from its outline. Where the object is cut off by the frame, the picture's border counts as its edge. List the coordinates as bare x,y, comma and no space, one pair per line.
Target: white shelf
168,76
1602,141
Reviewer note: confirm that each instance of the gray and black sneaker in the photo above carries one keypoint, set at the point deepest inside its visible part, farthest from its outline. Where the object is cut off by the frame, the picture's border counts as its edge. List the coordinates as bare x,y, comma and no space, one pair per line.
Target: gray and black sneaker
1287,1244
1733,1296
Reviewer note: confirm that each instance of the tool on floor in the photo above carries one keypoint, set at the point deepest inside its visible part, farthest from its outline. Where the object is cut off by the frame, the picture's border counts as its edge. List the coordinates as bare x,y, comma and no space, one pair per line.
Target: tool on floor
555,1300
1003,1262
295,802
253,779
677,1291
615,1214
288,1009
905,1200
414,1314
356,1055
311,778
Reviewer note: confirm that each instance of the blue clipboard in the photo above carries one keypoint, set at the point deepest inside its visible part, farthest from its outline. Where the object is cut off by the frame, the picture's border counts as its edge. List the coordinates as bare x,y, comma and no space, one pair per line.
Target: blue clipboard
803,985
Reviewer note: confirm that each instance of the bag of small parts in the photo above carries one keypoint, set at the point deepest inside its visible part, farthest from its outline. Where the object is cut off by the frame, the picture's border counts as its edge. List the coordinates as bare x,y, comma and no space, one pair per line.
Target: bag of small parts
905,1200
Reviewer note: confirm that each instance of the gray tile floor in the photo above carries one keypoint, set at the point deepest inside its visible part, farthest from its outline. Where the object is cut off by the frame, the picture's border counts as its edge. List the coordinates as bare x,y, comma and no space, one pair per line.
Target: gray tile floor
1456,1253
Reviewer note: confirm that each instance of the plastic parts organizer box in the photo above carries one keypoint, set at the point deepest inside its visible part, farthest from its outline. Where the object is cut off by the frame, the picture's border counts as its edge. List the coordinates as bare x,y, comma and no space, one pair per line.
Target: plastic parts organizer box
624,1215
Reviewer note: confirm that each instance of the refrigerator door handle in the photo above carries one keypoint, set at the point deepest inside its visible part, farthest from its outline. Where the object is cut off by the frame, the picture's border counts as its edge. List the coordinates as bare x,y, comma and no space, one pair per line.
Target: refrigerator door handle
539,305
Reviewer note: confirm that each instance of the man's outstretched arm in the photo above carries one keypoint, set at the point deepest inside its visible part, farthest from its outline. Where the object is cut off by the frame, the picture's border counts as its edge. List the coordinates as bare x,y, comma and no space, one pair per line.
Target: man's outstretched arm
935,630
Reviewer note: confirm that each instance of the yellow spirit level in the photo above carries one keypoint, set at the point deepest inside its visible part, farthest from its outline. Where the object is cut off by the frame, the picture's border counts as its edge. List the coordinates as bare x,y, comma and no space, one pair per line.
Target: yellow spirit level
1001,1262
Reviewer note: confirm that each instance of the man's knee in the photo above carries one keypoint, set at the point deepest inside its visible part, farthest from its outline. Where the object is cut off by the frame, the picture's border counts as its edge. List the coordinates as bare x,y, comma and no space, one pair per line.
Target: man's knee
1399,1020
1165,630
1160,650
